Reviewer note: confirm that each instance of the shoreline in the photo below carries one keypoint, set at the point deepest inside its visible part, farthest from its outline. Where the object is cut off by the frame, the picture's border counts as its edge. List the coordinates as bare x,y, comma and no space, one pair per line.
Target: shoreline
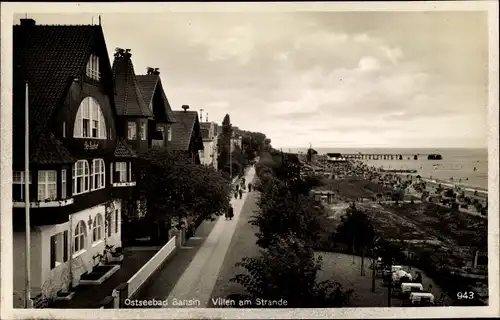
444,183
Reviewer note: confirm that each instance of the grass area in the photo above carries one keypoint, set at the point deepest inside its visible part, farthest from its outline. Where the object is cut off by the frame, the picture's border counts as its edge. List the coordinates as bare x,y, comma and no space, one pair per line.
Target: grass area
439,240
353,188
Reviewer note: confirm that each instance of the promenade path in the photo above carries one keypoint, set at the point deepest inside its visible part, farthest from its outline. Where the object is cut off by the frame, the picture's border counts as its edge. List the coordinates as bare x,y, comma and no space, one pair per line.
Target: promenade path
198,280
195,276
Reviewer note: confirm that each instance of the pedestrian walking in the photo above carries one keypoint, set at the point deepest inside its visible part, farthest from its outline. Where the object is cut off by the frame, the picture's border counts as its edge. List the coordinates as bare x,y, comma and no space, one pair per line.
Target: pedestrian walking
243,186
241,193
237,187
249,187
236,194
231,213
243,180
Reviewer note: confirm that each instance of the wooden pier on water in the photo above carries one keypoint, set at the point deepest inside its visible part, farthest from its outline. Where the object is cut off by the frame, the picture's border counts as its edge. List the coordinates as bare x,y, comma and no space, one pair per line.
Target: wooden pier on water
384,156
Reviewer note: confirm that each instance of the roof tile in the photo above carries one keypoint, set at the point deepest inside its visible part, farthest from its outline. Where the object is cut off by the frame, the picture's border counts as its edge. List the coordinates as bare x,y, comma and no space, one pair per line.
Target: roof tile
128,95
48,58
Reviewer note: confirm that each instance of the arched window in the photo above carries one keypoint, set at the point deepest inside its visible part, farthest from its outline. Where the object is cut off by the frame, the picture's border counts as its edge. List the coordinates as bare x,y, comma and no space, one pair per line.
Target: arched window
97,228
81,177
80,237
98,174
89,121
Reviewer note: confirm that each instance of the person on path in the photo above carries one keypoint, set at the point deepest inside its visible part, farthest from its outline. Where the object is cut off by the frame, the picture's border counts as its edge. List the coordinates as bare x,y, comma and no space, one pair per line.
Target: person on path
236,194
226,214
249,187
243,180
237,187
231,213
241,193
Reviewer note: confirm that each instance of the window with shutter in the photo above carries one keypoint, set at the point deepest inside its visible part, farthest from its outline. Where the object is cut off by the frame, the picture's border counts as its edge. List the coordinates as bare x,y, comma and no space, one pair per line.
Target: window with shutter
53,244
65,246
58,249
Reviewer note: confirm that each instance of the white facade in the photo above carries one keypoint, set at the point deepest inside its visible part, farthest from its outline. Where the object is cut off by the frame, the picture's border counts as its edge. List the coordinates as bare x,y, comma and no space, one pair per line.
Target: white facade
208,156
47,278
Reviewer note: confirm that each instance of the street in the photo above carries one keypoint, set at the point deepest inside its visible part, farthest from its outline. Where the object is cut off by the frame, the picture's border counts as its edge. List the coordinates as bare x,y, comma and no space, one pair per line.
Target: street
200,276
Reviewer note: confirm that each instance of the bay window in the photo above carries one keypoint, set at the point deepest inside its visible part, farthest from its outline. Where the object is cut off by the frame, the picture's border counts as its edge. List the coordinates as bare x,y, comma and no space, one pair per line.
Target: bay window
98,174
81,177
47,185
132,130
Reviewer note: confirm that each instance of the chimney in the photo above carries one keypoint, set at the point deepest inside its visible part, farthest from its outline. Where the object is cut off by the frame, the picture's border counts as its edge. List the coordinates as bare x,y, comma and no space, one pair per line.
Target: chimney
206,117
201,115
185,107
28,22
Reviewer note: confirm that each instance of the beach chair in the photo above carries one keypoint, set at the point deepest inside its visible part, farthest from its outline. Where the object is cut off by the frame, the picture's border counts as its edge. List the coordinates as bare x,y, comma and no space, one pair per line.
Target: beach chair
421,299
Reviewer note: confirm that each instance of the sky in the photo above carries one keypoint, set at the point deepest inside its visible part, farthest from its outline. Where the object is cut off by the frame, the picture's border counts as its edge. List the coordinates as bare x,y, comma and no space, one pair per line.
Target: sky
332,79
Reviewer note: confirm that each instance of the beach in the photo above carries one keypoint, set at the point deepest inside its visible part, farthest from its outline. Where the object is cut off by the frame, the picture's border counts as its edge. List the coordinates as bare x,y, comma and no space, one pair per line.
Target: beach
459,166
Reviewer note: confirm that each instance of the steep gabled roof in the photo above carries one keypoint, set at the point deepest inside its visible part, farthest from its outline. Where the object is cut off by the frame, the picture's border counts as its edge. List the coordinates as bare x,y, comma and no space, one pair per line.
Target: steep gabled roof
124,150
182,130
49,58
50,150
129,99
149,83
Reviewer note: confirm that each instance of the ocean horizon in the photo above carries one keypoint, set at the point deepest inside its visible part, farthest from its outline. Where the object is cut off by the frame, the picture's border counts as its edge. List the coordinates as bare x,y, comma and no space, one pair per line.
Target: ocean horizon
466,166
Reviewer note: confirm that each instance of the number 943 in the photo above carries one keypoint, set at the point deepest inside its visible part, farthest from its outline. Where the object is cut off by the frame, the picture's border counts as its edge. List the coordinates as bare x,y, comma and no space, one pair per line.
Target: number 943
465,295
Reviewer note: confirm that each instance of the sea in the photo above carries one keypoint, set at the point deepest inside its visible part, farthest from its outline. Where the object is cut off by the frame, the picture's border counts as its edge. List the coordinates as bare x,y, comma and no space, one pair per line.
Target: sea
467,167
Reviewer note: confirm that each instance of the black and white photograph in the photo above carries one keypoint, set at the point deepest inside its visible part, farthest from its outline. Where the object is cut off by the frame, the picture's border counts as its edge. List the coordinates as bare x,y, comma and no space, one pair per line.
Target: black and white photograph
250,160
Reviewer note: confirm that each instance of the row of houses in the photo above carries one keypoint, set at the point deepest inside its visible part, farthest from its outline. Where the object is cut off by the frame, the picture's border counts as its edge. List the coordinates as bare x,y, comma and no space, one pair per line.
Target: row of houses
88,121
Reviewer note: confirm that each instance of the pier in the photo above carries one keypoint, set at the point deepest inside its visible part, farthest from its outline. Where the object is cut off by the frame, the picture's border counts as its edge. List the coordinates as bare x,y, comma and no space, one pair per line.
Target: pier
379,156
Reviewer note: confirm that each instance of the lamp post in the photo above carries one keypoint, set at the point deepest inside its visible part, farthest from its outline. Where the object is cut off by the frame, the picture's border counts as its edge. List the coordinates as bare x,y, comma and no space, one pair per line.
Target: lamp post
374,262
27,253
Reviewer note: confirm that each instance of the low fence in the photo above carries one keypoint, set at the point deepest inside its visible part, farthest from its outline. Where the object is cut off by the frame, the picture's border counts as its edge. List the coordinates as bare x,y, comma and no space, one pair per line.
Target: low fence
128,289
150,267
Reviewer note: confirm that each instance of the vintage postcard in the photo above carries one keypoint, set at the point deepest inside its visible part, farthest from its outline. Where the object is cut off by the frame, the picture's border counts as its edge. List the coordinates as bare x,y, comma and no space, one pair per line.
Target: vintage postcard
250,160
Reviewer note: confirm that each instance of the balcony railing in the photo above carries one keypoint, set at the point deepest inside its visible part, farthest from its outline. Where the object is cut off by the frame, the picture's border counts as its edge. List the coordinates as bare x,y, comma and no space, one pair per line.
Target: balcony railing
124,184
44,204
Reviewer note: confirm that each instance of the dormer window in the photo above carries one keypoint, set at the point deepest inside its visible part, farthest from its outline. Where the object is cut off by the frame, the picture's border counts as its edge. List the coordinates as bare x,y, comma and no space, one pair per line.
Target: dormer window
93,67
89,122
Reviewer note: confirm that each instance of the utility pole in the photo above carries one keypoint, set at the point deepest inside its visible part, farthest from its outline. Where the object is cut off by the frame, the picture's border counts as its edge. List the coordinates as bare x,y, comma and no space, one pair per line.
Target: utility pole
230,158
27,253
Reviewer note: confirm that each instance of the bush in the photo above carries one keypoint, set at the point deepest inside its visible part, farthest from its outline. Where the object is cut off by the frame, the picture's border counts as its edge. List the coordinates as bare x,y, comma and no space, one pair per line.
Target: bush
287,270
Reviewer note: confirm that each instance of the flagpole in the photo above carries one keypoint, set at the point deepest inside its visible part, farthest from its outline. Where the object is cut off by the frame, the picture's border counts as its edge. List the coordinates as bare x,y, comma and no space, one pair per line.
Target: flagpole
27,297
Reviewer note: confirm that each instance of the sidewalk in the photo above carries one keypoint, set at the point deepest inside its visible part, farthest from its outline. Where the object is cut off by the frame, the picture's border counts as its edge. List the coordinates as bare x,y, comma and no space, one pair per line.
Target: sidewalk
198,280
90,296
169,276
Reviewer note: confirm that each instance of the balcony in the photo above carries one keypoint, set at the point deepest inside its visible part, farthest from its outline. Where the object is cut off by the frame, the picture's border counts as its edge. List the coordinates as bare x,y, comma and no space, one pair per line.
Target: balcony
124,184
44,204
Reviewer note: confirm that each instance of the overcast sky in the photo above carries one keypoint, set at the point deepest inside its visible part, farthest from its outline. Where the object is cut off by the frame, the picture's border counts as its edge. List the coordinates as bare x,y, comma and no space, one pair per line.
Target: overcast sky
333,79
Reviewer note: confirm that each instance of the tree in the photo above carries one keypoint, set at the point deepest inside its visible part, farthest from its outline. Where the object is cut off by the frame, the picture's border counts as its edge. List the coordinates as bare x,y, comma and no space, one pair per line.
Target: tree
288,270
310,153
356,230
176,187
281,213
224,144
